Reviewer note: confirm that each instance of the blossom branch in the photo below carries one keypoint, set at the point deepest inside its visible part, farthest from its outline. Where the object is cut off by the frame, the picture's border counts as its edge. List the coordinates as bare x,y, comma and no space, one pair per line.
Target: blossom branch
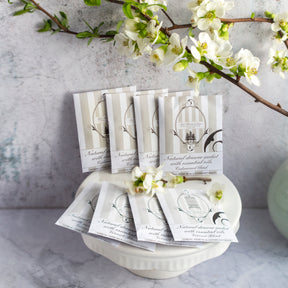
237,82
54,19
64,29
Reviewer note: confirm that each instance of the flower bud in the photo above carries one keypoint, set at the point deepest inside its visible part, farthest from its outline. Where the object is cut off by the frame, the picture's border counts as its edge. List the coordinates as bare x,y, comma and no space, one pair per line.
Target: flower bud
180,66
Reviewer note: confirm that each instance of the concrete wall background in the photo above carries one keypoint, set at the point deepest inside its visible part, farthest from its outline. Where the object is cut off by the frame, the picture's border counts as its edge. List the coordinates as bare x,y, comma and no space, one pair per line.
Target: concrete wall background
39,156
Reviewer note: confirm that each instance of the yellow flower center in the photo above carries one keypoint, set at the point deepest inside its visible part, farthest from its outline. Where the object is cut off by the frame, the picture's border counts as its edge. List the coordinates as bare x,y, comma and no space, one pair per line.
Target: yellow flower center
218,194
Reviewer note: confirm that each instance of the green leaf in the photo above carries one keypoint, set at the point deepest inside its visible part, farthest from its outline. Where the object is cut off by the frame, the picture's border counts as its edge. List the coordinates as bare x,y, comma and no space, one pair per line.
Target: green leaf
92,2
10,2
160,5
85,34
90,40
127,11
119,24
210,77
47,26
191,32
149,13
217,76
253,15
88,25
20,12
200,75
234,70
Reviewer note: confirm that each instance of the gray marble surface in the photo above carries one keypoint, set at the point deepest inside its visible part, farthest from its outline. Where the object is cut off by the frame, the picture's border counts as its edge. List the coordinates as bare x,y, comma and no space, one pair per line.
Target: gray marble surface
35,253
39,152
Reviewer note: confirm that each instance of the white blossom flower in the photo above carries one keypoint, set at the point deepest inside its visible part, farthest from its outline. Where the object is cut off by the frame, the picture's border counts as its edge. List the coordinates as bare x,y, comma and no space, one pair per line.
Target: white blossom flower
281,24
143,45
215,49
157,56
153,30
220,7
194,81
148,182
216,193
136,173
206,14
195,5
175,49
249,64
124,44
278,61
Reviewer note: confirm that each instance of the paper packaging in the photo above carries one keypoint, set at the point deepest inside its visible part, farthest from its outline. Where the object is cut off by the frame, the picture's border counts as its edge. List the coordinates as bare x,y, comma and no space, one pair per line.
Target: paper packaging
113,218
146,117
190,133
150,222
78,215
192,217
122,132
92,127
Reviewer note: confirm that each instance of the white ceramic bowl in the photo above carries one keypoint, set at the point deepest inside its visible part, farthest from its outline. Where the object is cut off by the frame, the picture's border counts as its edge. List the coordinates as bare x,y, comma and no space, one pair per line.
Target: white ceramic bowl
165,261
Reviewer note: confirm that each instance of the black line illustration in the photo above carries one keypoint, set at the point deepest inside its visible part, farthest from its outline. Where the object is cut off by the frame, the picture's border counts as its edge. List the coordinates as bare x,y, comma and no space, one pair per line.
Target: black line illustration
154,122
190,139
93,202
193,206
122,207
217,215
211,138
127,118
100,124
155,210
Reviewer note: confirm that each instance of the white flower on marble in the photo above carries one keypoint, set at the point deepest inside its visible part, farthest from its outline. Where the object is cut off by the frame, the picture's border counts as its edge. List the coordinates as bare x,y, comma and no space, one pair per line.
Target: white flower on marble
249,64
281,24
278,61
176,48
157,56
214,48
206,14
153,30
125,46
216,193
193,81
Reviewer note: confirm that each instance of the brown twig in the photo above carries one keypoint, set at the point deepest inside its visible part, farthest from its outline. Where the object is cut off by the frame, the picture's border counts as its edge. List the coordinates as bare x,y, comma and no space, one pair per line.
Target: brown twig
179,26
197,178
168,16
240,20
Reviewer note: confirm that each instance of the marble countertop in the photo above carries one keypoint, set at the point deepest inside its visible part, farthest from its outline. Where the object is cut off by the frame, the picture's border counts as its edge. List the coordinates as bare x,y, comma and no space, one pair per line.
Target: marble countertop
36,253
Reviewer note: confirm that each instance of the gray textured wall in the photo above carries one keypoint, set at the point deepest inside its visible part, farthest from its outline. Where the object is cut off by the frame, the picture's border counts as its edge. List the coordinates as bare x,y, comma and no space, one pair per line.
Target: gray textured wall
39,156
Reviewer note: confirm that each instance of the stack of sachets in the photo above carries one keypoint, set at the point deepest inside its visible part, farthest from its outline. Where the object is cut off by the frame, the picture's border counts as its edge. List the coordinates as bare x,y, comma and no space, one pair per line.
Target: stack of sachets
123,128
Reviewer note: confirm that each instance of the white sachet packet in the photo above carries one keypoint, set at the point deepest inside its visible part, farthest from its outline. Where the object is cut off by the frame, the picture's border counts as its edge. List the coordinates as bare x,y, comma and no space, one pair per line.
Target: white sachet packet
146,117
190,130
92,127
78,215
122,132
192,217
150,222
113,218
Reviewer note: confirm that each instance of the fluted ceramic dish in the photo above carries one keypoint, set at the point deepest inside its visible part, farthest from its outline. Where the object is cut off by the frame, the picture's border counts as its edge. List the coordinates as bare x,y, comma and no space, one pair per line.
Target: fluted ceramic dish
165,261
